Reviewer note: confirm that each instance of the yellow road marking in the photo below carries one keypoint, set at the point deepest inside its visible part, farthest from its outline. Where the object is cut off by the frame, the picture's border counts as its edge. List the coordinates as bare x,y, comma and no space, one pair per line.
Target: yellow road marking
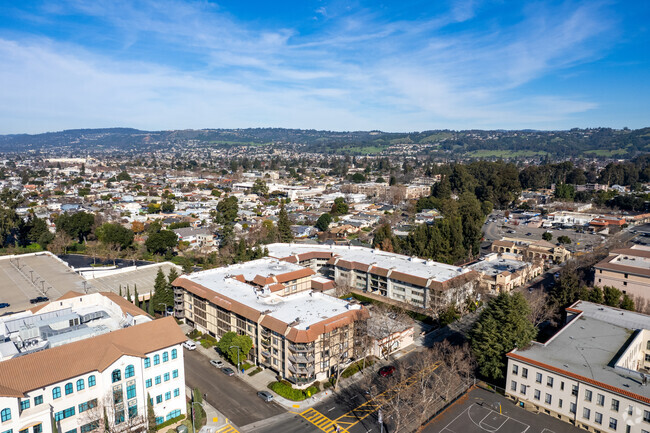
227,429
320,421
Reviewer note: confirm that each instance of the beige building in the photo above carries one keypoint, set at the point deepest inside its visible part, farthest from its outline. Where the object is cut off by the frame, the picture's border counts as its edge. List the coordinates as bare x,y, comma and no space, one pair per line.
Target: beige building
627,269
503,272
593,373
301,334
532,250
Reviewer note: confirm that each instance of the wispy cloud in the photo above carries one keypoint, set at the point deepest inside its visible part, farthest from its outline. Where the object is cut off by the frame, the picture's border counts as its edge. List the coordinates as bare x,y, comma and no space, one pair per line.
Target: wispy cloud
362,70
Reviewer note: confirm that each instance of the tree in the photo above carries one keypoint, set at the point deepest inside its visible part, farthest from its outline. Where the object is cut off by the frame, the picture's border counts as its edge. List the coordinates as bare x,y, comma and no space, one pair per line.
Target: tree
123,176
167,207
547,236
612,296
60,243
230,339
449,315
340,207
502,326
116,234
173,274
163,295
538,302
227,210
564,239
151,416
627,303
284,226
78,226
136,296
161,242
260,188
137,227
323,222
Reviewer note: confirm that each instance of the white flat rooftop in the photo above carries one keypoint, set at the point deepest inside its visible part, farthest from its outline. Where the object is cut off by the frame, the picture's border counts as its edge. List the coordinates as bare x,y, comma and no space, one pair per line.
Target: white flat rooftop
427,269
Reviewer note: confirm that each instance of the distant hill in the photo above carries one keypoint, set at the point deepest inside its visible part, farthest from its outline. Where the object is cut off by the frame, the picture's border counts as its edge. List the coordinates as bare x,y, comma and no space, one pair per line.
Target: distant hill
597,142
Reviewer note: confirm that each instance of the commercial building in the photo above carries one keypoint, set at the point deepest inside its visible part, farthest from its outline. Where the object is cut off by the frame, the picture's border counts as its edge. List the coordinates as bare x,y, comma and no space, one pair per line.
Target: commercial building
593,373
504,272
532,249
81,358
301,334
420,283
627,269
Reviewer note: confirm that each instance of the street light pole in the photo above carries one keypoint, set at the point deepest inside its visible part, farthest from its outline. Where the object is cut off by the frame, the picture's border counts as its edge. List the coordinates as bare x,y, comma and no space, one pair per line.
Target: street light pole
238,349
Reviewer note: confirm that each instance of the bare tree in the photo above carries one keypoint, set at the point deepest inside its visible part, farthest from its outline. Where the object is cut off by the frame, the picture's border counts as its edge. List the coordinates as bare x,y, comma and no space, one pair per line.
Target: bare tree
60,243
109,409
540,311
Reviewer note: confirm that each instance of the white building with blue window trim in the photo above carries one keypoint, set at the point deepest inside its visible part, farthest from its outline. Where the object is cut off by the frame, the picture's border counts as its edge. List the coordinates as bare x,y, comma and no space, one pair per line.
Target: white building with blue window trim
72,360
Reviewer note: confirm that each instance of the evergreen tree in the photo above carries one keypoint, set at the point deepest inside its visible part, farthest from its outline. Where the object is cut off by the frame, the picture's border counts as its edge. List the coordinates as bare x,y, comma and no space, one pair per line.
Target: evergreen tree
150,310
151,416
173,274
128,294
136,297
596,295
627,303
284,226
612,296
120,292
502,326
162,295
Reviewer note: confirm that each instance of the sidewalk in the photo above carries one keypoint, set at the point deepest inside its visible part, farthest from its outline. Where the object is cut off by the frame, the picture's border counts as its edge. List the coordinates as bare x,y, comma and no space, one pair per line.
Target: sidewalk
215,420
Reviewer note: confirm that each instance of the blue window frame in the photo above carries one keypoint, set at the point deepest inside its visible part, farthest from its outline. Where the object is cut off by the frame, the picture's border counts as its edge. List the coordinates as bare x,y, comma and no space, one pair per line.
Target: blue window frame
160,420
38,428
87,405
175,374
38,400
159,399
91,381
156,359
80,385
89,427
168,395
56,392
148,383
5,415
157,380
173,414
147,362
68,388
174,353
116,375
165,356
130,392
166,377
177,392
133,409
66,413
24,404
9,431
74,430
129,371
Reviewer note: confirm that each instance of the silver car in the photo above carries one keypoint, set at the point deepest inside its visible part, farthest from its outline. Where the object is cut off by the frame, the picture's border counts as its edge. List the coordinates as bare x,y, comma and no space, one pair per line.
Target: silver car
217,363
265,395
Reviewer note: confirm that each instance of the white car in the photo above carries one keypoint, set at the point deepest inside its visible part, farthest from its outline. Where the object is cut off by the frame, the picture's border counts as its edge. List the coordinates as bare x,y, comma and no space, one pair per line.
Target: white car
189,345
217,363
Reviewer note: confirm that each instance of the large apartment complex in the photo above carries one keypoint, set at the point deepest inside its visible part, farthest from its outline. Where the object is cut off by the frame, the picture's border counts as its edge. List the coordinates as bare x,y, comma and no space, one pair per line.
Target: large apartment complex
593,373
627,269
81,358
301,334
417,282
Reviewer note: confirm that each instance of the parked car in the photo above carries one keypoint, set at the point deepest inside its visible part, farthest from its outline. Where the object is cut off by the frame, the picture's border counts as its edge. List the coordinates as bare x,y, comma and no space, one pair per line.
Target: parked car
190,345
228,371
265,395
386,371
4,305
217,363
39,299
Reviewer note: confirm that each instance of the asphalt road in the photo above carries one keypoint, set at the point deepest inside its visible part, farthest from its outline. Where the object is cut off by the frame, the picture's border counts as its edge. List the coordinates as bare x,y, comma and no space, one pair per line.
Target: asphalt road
229,395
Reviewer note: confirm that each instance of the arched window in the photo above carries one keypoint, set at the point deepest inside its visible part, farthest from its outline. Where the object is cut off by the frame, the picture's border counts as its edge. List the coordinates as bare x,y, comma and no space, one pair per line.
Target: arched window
156,359
147,362
174,353
129,371
6,414
91,381
165,356
80,385
56,392
117,376
68,388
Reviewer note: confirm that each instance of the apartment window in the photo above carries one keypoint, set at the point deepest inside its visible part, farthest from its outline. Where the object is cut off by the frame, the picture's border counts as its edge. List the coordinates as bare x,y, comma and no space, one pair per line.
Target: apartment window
561,385
165,356
38,400
80,385
24,404
116,376
625,275
87,405
559,403
548,399
613,422
600,400
174,353
647,357
156,359
630,408
572,408
117,394
38,428
168,395
159,399
523,389
549,381
574,389
166,377
537,394
56,392
68,388
133,408
513,385
647,345
524,373
587,395
148,383
177,392
615,405
646,416
598,418
158,380
586,413
130,391
89,427
147,362
91,381
129,371
5,415
538,377
175,374
515,369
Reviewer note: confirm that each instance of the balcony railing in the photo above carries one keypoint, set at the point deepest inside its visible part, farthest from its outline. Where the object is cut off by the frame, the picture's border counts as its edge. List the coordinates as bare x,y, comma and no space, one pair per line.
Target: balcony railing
308,370
301,359
266,342
308,348
298,380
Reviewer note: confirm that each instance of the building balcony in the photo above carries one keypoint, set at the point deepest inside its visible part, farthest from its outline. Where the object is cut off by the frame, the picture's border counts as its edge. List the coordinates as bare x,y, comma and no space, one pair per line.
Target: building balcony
266,342
301,359
307,348
307,370
301,380
265,332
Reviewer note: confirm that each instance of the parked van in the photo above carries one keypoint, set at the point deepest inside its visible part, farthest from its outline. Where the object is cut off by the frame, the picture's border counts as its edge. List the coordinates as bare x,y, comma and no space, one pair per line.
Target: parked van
190,345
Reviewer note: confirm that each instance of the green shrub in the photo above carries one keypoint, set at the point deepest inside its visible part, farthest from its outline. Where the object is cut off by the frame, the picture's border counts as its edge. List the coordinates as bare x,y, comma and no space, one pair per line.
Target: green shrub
247,365
284,389
170,422
254,372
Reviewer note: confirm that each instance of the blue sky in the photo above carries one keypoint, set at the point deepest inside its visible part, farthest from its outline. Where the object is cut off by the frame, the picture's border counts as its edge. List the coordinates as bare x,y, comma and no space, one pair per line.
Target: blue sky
338,65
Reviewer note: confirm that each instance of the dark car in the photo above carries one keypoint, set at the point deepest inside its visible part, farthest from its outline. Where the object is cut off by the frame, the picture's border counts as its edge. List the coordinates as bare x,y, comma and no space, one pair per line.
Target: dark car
265,395
4,305
39,299
386,371
228,371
